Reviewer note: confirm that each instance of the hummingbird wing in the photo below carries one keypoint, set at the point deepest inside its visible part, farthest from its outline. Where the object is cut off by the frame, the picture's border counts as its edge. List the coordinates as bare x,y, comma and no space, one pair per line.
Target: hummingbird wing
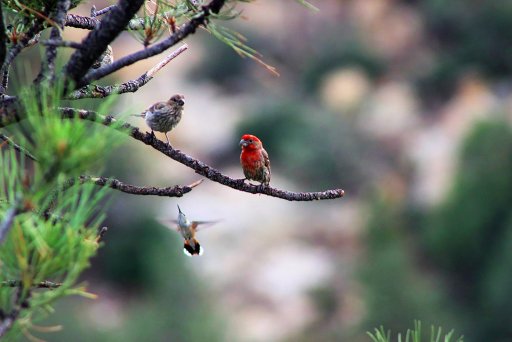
204,224
171,224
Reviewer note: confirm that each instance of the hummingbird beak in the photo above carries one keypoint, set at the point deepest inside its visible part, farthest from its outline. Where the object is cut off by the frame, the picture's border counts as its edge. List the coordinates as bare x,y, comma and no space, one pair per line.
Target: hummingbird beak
179,209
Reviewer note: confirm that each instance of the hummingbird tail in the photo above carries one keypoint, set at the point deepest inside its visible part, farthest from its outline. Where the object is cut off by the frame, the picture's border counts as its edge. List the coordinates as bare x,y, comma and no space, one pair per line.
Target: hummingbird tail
192,247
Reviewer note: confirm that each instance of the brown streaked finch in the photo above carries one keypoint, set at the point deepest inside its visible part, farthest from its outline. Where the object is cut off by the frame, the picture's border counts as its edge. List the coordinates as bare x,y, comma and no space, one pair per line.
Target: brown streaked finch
254,159
164,116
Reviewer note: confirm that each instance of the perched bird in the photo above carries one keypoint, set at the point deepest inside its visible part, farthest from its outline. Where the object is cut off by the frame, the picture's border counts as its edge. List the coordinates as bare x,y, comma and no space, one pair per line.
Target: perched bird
164,116
188,230
106,58
254,159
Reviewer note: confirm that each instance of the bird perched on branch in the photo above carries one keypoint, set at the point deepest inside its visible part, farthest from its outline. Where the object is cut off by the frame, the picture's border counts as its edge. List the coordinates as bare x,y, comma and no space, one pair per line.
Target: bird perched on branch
188,230
164,116
254,159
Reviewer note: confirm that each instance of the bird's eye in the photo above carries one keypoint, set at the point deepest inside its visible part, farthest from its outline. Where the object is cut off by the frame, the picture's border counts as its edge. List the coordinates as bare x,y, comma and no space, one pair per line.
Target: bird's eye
250,140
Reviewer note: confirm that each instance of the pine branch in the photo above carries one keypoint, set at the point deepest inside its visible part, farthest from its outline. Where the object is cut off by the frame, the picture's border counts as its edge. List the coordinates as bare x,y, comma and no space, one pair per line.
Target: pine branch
186,29
96,91
25,41
62,43
97,40
6,224
41,285
59,17
3,37
105,10
198,166
16,146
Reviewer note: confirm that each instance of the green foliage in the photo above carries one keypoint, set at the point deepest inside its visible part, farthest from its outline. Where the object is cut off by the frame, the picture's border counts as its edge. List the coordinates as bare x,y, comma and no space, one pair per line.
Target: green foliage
32,9
470,35
469,235
395,289
350,54
54,233
414,335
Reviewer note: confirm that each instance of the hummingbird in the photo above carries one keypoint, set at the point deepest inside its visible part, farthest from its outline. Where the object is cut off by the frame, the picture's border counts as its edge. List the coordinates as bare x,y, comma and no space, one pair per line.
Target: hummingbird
188,230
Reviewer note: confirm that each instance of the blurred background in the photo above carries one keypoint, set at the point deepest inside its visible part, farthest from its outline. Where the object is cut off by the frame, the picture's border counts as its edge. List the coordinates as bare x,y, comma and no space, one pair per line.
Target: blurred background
406,105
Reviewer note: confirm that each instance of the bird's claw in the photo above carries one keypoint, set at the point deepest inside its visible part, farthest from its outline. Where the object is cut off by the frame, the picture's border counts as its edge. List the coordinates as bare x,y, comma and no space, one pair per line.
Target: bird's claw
240,181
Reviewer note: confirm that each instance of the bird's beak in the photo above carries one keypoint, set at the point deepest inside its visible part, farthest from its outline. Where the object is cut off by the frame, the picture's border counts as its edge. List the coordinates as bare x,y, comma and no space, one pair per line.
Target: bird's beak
179,209
243,143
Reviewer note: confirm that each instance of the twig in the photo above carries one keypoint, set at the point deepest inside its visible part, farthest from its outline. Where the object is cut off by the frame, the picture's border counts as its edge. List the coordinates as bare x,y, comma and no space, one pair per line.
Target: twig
3,37
16,146
107,9
101,233
41,285
20,302
190,27
59,18
97,40
198,166
90,23
6,224
16,49
62,43
96,91
171,191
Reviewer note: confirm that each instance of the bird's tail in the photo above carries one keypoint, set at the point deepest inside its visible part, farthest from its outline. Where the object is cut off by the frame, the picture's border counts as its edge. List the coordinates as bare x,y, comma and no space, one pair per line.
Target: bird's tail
192,247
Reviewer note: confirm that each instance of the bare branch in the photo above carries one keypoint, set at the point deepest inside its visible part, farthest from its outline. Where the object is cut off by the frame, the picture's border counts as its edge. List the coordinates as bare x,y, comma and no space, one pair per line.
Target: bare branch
16,146
96,91
3,37
7,323
198,166
29,38
90,23
79,21
41,285
105,10
189,28
62,43
58,17
96,41
6,224
171,191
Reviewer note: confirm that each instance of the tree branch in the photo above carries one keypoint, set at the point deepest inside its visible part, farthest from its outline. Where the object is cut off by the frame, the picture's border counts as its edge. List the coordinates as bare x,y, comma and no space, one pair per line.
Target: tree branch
107,9
6,224
171,191
41,285
198,166
96,41
16,49
58,17
62,43
190,27
96,91
17,147
3,37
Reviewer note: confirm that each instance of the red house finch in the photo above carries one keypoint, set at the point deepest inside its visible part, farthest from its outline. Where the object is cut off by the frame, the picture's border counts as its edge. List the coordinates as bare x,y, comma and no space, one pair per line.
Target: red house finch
164,116
254,159
188,230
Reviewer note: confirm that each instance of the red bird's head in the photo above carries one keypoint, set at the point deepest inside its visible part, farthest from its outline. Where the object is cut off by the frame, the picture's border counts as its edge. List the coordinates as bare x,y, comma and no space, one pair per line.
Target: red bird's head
250,142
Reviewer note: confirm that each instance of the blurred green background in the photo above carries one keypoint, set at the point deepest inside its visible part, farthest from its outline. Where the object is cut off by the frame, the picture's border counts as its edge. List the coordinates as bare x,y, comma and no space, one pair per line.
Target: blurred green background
406,105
